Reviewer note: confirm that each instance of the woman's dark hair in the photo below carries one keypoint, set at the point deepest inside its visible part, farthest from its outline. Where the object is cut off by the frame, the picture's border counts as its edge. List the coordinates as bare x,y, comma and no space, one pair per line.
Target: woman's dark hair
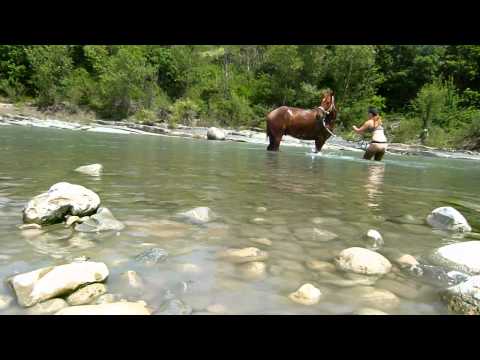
372,110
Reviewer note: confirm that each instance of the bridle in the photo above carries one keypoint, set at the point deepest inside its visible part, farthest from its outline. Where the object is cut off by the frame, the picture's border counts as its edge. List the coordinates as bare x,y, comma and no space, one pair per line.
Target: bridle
327,112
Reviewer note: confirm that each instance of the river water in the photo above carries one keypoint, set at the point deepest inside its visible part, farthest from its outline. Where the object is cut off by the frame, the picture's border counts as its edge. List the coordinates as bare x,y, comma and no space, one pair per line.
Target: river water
148,179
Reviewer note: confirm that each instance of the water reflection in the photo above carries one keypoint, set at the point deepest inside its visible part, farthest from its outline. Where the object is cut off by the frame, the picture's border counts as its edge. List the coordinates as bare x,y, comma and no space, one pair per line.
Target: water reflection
374,185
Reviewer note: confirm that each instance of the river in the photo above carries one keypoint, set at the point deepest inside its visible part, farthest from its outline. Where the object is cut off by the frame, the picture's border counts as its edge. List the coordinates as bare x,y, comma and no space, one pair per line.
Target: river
148,179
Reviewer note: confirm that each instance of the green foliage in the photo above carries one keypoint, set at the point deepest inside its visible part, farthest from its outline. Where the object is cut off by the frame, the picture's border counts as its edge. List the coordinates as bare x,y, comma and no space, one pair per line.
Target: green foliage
184,111
51,65
237,85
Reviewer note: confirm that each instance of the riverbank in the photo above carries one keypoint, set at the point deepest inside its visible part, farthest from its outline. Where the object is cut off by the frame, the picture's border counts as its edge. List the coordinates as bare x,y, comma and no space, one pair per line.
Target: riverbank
11,115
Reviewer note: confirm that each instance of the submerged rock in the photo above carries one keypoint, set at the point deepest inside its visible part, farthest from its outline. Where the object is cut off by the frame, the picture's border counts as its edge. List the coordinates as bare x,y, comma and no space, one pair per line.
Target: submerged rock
362,261
314,234
92,170
372,297
49,282
252,270
116,308
464,298
5,301
152,256
462,256
321,266
448,218
133,279
399,258
217,309
174,307
86,294
48,307
307,294
198,216
262,241
60,200
103,220
30,226
368,311
214,133
243,255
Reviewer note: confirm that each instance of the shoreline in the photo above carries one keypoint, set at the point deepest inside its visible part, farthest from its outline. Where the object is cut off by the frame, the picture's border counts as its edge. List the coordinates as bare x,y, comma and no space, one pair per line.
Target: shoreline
247,136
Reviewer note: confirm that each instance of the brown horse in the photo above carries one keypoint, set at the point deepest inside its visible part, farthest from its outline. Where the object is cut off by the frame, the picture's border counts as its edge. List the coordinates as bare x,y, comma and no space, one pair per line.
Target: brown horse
315,124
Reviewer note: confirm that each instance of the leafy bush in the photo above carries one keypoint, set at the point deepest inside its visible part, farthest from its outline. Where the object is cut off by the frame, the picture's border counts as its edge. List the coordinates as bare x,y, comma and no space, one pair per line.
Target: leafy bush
184,111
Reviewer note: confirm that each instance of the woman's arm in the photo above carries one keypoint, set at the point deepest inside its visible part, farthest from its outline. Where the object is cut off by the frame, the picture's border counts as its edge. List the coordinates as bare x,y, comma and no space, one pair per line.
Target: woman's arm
362,129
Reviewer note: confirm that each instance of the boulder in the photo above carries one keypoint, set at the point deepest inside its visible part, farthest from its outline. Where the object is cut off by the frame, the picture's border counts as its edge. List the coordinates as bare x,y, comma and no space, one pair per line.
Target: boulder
243,255
462,256
49,282
86,294
92,170
214,133
362,261
448,218
60,200
103,220
307,294
464,298
48,307
116,308
198,216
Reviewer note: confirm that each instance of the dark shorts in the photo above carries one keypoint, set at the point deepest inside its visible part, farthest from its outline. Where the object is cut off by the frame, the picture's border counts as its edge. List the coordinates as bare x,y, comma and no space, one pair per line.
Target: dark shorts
377,154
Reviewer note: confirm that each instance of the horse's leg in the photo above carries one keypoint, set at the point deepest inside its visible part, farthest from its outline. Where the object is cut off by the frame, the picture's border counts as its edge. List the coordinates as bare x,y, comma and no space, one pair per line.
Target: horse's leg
319,144
278,140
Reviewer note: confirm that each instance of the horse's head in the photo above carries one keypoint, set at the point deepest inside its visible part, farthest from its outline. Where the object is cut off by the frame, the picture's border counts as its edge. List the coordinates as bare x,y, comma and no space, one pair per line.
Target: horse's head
328,106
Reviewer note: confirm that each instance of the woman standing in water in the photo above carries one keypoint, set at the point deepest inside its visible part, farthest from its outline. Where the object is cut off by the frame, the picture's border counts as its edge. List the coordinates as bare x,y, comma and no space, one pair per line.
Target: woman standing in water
378,145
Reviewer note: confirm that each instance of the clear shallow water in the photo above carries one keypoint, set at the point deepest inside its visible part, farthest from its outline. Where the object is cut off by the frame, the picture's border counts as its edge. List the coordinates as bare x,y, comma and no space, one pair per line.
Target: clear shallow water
148,179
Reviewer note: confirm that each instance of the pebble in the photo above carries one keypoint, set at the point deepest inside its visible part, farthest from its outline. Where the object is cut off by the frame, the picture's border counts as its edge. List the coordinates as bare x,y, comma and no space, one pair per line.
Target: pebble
307,294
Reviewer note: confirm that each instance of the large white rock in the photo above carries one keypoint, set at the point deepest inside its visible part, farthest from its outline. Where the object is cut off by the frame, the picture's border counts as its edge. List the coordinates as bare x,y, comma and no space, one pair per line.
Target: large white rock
92,170
464,298
362,261
463,256
199,215
214,133
116,308
448,218
47,283
60,200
